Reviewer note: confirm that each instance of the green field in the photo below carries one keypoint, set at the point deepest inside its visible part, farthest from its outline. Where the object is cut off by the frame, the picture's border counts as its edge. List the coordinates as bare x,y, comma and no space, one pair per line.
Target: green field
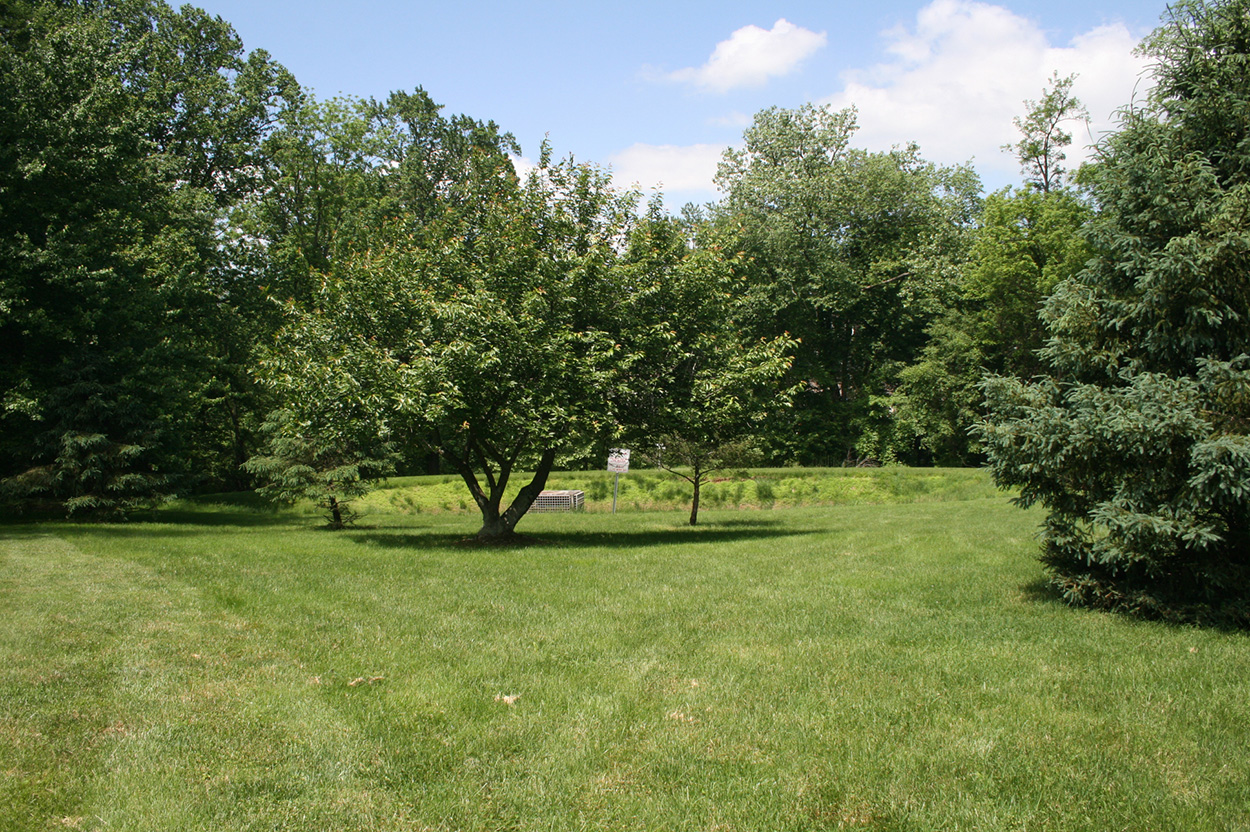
652,490
889,660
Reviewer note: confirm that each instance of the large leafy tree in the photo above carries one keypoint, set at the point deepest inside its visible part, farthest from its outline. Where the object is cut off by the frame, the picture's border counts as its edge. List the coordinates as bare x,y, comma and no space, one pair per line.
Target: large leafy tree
346,178
125,128
337,174
1026,242
851,252
336,171
1137,444
491,329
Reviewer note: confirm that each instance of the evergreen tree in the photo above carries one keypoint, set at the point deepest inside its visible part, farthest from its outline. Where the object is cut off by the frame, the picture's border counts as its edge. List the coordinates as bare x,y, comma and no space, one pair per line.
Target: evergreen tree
1137,444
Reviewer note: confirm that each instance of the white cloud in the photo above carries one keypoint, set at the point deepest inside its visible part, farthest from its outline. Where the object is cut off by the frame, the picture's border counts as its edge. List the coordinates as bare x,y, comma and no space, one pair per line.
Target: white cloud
667,167
956,79
751,56
952,82
522,165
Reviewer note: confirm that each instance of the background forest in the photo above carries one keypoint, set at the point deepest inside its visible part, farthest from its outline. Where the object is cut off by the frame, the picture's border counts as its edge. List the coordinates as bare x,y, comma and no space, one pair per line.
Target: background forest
213,281
172,205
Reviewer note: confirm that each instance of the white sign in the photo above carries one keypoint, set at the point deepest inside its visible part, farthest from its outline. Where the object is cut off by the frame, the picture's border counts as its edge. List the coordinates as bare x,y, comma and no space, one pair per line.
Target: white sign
618,460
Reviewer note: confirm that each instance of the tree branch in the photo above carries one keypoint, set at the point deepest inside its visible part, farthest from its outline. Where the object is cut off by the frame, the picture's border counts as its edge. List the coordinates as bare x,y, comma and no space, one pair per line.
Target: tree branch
886,282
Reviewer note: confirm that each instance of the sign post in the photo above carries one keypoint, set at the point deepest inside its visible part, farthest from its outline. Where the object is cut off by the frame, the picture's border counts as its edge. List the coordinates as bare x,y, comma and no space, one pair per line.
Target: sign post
618,463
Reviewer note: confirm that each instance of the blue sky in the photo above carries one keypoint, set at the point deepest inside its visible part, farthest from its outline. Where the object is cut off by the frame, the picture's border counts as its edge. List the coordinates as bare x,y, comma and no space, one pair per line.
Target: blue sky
657,90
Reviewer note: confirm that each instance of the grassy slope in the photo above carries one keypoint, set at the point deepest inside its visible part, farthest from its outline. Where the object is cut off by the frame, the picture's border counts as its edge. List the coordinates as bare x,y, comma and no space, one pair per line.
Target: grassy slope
763,488
873,667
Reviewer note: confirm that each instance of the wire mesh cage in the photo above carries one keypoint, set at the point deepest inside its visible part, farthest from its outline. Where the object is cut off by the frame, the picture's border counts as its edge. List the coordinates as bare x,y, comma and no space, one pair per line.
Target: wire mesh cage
559,501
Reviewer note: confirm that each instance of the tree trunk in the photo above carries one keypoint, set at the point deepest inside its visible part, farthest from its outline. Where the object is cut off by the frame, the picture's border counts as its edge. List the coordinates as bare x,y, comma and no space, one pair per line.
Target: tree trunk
501,526
239,445
494,527
694,504
336,516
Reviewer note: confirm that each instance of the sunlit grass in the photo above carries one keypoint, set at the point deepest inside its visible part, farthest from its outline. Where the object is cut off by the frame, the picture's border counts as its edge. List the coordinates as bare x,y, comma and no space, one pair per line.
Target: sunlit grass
862,667
649,489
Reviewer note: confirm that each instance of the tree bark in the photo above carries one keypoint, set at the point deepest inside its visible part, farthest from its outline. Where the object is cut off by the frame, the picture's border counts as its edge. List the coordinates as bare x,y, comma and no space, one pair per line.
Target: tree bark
239,445
494,527
697,479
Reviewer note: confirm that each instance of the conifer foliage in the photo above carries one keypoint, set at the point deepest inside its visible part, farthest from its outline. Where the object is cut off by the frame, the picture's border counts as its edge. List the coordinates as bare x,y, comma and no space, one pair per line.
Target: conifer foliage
1137,443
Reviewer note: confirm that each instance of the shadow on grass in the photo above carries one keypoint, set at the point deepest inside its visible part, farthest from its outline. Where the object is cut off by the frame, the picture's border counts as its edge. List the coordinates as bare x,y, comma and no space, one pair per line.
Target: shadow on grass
1232,618
143,523
204,516
1042,591
720,531
241,509
215,517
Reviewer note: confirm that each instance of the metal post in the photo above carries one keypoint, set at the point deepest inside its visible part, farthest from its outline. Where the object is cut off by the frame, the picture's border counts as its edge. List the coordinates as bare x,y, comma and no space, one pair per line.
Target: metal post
618,463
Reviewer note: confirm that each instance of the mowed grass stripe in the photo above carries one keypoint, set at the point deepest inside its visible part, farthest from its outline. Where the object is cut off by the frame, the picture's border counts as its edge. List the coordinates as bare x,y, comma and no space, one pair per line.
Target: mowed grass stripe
144,696
879,667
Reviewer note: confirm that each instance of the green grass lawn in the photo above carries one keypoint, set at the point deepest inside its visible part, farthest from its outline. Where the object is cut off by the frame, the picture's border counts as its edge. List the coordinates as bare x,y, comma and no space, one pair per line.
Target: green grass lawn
895,666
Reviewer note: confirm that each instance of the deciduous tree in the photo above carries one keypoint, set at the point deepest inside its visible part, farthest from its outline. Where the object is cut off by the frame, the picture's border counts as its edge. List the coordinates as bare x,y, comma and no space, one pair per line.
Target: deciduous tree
492,328
1027,243
699,389
1041,148
852,252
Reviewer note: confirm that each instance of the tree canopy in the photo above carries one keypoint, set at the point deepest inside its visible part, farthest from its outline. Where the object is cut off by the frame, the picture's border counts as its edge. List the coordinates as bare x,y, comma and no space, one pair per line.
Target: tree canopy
125,128
851,252
1026,244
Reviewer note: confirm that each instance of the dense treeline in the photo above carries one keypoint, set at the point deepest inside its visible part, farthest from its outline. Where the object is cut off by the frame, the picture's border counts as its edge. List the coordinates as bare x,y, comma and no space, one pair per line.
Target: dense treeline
212,280
128,131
